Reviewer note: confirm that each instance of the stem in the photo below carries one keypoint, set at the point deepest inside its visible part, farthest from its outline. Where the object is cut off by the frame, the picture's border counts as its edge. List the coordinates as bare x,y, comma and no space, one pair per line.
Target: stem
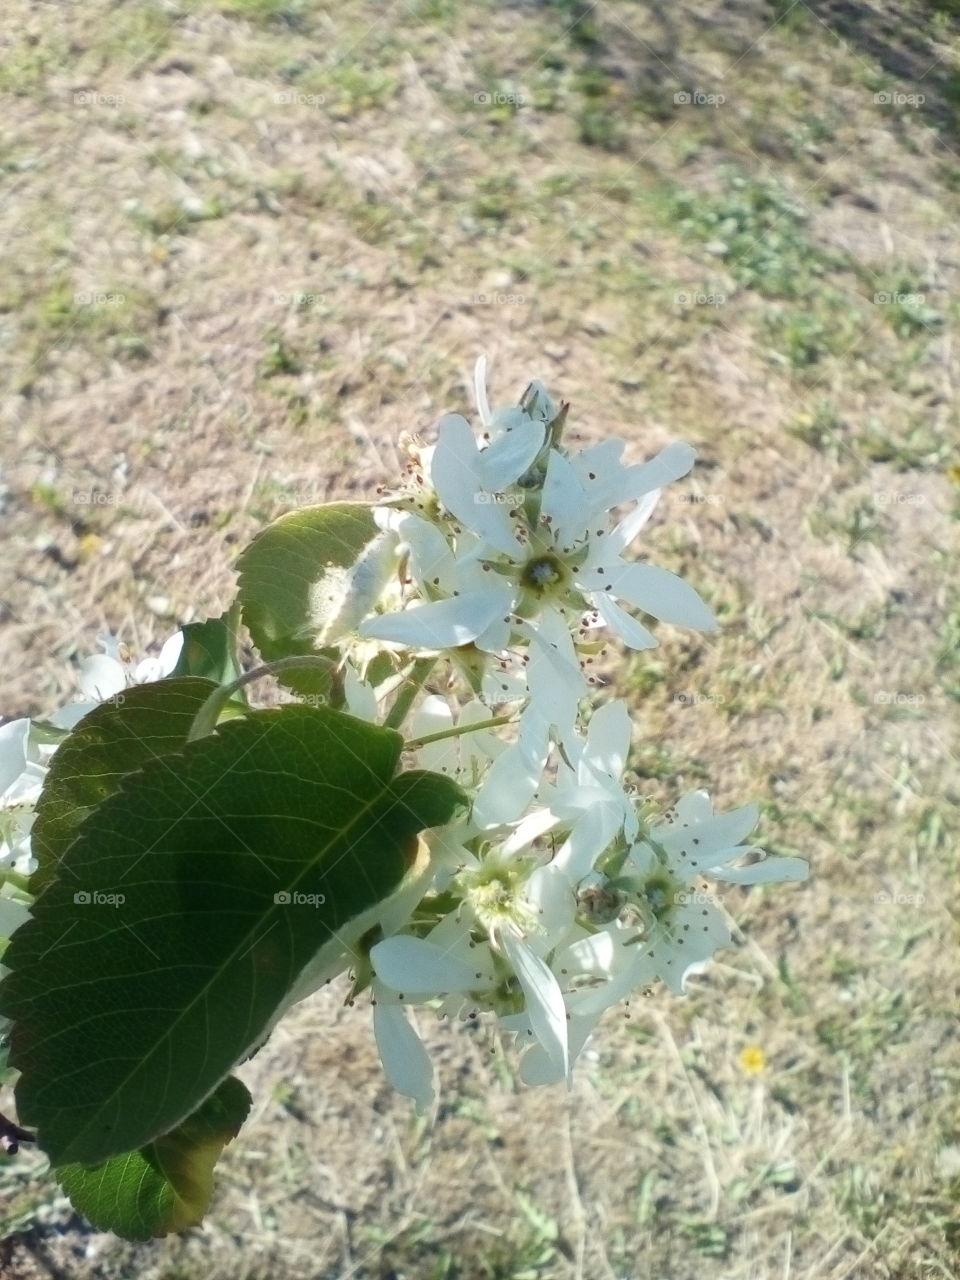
414,744
412,686
16,878
205,721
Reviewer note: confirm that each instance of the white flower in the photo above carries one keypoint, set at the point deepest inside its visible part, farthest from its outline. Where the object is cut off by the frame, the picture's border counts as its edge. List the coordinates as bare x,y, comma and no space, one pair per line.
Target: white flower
588,798
658,892
23,767
555,685
487,953
466,757
106,675
526,541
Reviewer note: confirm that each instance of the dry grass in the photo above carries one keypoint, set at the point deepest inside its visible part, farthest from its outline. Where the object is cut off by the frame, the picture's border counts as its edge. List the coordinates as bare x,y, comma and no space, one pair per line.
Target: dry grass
219,304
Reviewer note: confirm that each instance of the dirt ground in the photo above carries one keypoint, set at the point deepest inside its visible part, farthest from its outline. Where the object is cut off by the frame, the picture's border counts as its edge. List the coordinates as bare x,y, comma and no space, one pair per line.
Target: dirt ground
247,244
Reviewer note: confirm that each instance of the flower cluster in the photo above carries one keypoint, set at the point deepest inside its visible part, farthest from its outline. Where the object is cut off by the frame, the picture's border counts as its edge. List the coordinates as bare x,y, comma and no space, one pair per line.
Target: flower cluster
560,894
483,586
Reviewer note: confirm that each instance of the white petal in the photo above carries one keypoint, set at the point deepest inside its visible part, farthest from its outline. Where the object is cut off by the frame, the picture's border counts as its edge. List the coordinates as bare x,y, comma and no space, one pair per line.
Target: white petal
511,782
361,697
430,556
480,389
550,892
711,843
434,715
564,502
768,871
538,402
502,463
548,1015
170,652
629,483
538,1068
13,913
69,717
13,751
405,1060
101,677
658,592
443,624
608,742
530,829
628,528
588,839
696,806
554,677
633,633
458,480
420,969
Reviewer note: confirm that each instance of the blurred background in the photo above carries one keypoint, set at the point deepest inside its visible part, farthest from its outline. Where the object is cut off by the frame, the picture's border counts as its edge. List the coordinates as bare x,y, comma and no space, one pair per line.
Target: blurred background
248,243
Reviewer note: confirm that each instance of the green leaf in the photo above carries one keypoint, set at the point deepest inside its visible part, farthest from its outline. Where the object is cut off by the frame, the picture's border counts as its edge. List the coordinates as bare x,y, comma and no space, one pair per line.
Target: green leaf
307,579
130,730
168,1184
157,958
209,649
